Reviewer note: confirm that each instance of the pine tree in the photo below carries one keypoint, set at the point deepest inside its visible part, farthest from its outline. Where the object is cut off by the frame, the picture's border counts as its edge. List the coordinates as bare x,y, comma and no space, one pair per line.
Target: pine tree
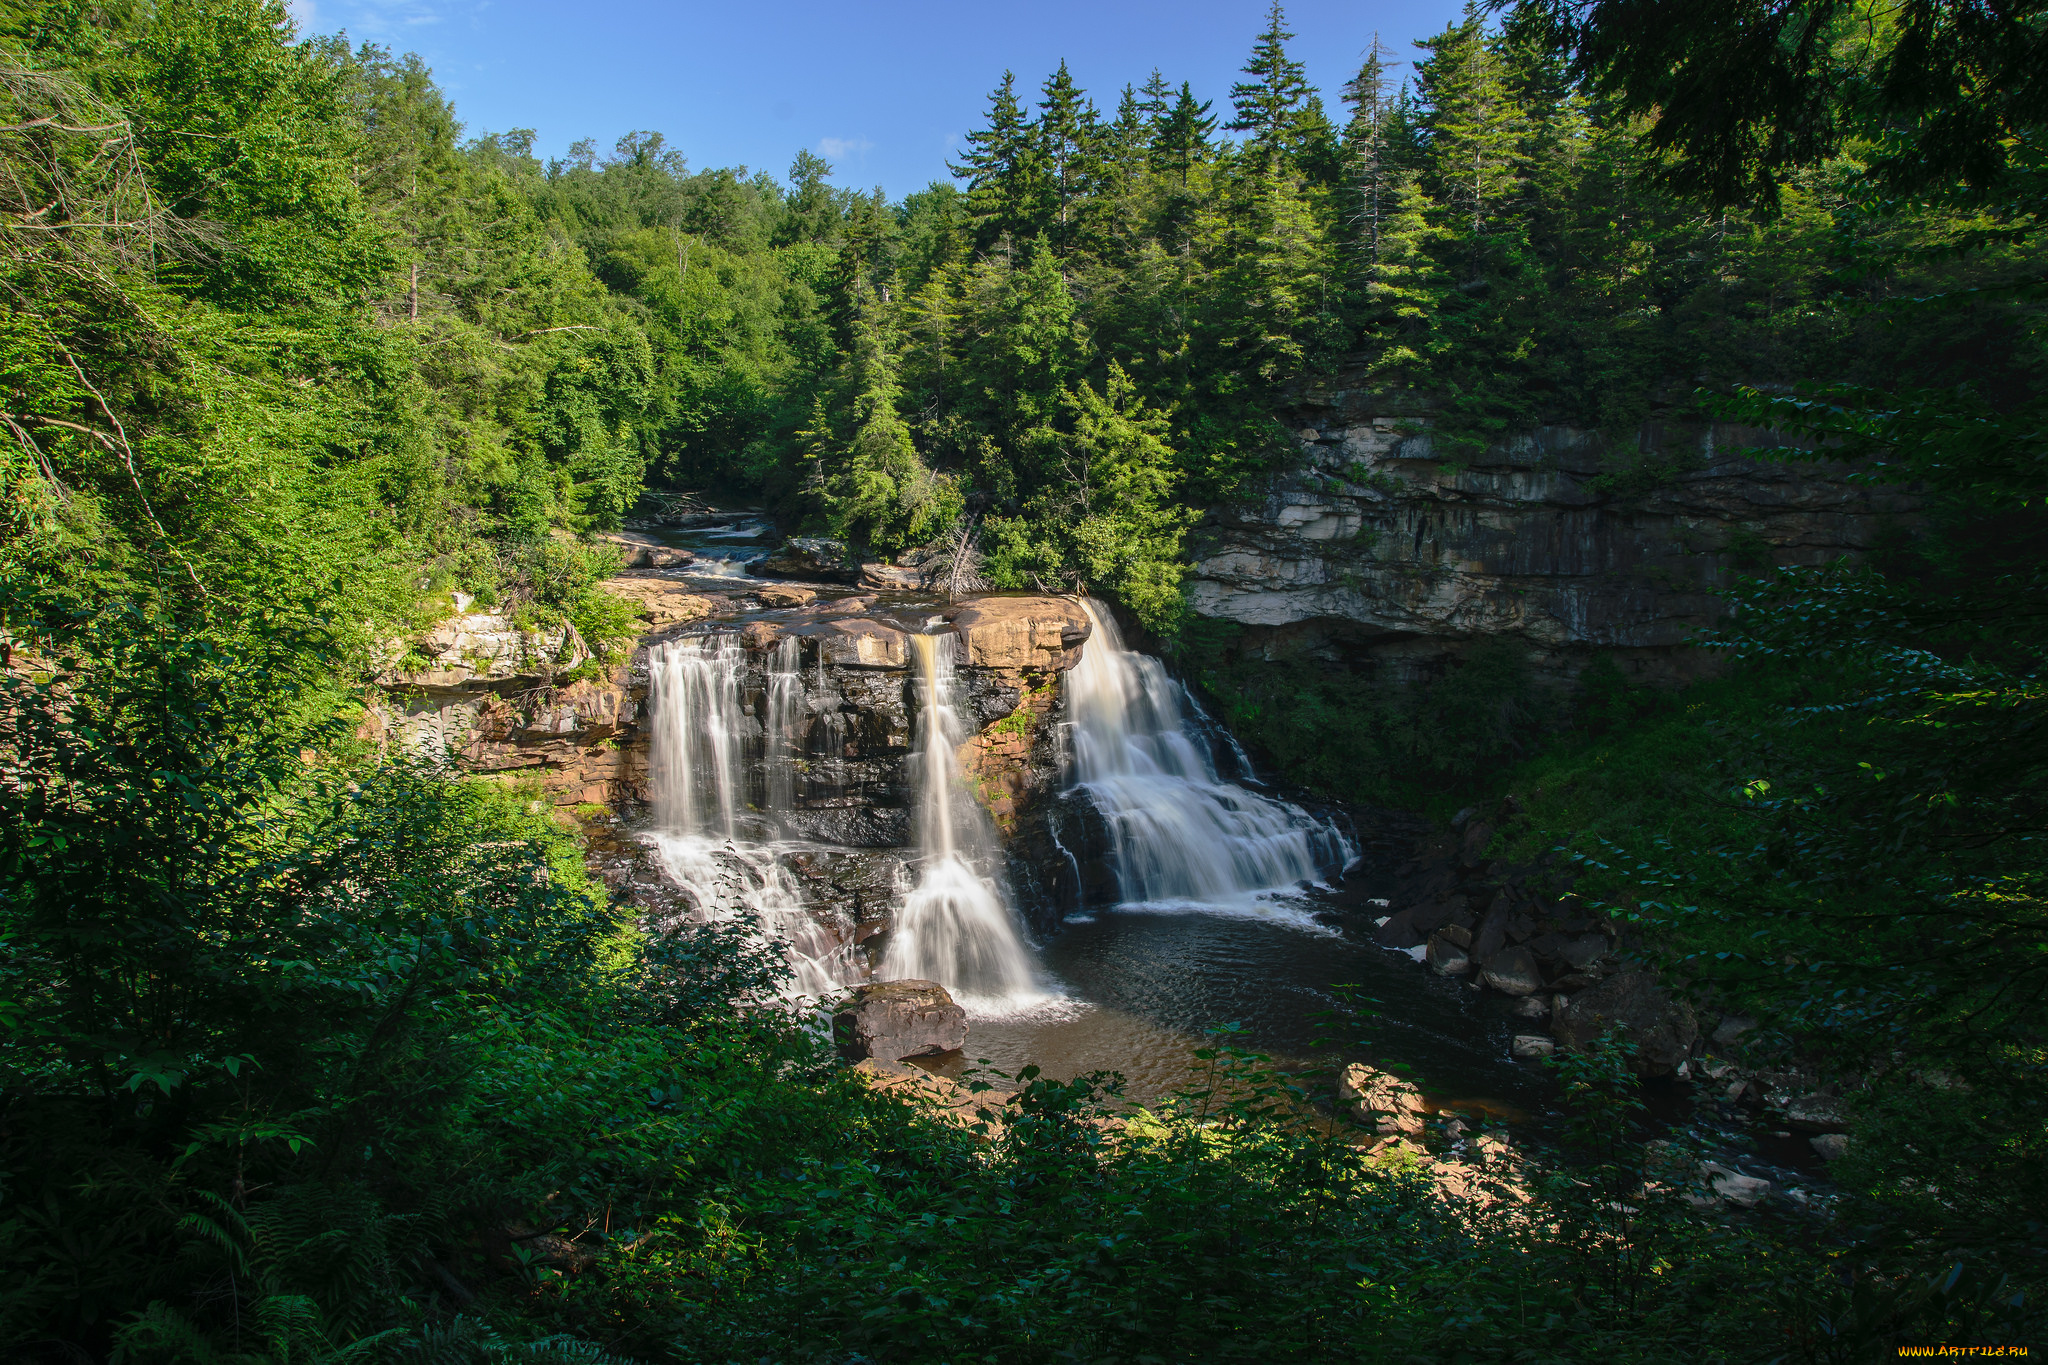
1403,285
1272,105
1157,98
1002,169
1069,154
1472,123
878,492
1180,137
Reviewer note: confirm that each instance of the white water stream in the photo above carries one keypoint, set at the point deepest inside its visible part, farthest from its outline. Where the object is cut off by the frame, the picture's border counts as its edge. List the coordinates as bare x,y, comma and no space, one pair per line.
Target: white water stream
1180,835
954,927
699,728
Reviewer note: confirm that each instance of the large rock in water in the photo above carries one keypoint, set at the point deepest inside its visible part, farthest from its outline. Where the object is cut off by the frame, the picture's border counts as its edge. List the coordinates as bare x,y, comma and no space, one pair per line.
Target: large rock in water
810,558
897,1019
1635,1006
641,551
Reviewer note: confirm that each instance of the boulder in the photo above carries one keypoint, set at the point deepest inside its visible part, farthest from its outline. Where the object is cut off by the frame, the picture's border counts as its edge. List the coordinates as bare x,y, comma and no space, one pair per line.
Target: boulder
1015,633
858,643
1741,1190
1493,930
1731,1028
1381,1100
1447,957
809,558
1532,1007
1398,931
892,1020
661,602
890,578
1830,1146
1512,971
946,1098
786,595
639,551
1533,1046
1815,1113
1635,1006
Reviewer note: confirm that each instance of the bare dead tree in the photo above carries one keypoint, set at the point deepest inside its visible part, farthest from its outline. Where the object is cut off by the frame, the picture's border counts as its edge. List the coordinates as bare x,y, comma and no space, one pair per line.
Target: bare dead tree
951,565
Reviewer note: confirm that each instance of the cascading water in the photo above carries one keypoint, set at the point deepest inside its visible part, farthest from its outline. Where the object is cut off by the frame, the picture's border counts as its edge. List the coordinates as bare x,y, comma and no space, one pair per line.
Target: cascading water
954,927
699,731
1179,833
785,710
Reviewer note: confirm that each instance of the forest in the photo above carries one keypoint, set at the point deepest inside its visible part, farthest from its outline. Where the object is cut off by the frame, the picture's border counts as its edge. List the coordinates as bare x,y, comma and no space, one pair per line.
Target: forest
306,1051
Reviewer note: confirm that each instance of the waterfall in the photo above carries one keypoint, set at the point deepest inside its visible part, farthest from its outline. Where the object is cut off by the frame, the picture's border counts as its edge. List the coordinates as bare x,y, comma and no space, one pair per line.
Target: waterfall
1178,831
784,711
700,730
954,927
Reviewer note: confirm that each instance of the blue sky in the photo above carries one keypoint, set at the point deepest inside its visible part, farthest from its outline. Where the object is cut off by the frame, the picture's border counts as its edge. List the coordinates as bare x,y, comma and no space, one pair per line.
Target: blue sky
883,91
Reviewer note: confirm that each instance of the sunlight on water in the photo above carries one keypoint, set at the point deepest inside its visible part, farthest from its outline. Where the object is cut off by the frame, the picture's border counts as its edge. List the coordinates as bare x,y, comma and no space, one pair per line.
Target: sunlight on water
954,927
1181,837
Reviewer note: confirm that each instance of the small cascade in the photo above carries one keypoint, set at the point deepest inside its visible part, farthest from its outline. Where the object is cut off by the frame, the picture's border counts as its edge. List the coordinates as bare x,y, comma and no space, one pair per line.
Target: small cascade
954,927
699,731
1179,832
785,710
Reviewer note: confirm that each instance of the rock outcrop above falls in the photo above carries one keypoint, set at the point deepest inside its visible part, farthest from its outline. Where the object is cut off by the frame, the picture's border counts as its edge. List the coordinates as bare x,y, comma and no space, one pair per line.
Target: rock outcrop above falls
1375,546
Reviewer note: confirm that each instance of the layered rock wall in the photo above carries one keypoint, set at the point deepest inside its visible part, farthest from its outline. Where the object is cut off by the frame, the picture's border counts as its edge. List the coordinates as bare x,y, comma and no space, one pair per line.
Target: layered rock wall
1376,548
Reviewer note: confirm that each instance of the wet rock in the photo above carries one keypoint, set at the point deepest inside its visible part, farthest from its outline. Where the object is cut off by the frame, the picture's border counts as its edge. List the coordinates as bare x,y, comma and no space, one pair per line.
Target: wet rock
1743,1191
1399,931
1382,1100
1634,1005
946,1098
811,559
1532,1046
1532,1007
639,551
1512,971
1458,934
858,643
1447,957
1830,1146
892,1020
1436,914
786,595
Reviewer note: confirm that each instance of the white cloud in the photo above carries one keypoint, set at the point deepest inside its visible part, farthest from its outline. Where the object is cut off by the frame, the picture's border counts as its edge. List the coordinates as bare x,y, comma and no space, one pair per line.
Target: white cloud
839,148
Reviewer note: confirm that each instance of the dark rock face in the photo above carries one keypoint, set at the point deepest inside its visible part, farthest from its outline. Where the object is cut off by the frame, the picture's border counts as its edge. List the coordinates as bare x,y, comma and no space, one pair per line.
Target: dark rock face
1636,1006
892,1020
810,559
1374,549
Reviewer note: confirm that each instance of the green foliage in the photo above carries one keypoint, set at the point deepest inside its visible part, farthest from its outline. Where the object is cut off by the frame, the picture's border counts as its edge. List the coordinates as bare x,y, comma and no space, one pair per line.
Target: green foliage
1431,741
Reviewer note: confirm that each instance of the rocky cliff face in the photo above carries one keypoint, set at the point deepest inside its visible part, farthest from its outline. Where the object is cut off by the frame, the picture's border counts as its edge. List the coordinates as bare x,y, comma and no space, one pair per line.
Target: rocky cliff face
1375,549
